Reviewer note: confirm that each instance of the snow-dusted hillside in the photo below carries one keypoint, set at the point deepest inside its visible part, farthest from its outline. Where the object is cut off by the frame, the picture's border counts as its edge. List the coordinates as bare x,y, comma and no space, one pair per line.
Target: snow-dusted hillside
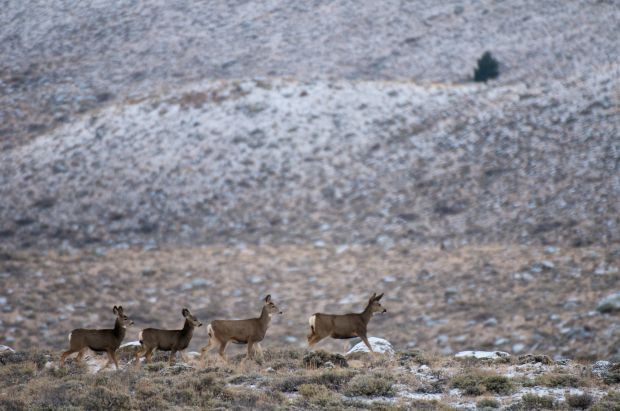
337,161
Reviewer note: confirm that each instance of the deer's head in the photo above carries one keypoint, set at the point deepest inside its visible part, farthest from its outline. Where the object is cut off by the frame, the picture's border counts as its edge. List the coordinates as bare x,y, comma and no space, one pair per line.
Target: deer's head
191,318
375,305
271,307
122,318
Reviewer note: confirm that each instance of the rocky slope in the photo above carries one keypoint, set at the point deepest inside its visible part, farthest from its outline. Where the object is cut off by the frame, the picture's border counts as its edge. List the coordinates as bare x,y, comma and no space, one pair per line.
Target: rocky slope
337,161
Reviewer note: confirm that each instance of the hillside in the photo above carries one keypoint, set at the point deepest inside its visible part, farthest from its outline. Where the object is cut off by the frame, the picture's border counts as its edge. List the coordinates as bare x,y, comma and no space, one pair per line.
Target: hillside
265,122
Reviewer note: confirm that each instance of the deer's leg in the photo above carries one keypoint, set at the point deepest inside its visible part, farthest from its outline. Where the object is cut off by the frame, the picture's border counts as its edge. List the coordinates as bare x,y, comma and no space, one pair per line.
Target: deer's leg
221,350
65,355
313,339
113,355
148,354
183,356
365,339
80,355
258,349
250,348
139,354
107,364
173,354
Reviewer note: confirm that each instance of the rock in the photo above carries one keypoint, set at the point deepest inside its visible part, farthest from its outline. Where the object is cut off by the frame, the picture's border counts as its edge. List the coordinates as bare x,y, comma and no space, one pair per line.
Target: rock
609,304
601,368
518,347
491,322
483,355
379,345
5,348
329,365
271,370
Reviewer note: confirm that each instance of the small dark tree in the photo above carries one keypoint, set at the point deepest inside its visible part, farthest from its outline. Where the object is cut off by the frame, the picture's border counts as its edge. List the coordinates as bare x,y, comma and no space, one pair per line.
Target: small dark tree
487,68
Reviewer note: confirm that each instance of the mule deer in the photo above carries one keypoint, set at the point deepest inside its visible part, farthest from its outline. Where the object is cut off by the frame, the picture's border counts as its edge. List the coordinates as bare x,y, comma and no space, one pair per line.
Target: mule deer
167,340
343,326
250,331
98,340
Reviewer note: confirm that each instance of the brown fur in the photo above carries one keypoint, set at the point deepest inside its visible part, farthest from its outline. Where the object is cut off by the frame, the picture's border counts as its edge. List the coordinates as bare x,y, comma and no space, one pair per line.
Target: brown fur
167,340
107,340
343,326
250,331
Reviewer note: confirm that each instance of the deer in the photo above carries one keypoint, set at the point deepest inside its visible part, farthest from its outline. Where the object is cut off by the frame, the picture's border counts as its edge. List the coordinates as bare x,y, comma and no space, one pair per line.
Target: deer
344,326
251,331
167,340
106,340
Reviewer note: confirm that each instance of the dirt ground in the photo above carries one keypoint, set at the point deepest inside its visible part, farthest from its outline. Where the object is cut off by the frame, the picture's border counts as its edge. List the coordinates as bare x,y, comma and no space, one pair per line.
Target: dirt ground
517,299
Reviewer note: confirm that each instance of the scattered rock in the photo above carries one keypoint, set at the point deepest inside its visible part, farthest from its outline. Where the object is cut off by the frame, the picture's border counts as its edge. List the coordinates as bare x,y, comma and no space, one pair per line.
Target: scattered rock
5,348
379,345
609,304
484,355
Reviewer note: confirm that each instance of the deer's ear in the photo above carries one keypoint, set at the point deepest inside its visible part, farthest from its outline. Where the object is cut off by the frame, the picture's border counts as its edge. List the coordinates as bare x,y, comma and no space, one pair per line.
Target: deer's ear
377,298
372,297
120,308
115,310
268,298
185,312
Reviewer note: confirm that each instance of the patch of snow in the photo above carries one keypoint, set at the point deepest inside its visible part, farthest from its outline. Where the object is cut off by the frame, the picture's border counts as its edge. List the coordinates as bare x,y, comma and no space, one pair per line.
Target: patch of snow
492,355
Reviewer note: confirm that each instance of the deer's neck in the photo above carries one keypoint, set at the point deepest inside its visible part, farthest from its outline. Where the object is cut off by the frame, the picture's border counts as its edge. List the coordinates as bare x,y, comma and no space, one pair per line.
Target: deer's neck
188,329
264,318
119,330
367,314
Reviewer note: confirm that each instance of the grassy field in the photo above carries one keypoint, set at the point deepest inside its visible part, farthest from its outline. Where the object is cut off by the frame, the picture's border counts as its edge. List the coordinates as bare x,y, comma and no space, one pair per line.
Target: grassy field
296,379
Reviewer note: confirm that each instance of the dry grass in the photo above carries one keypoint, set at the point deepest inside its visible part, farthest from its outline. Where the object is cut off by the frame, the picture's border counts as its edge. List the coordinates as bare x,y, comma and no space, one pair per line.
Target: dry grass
31,380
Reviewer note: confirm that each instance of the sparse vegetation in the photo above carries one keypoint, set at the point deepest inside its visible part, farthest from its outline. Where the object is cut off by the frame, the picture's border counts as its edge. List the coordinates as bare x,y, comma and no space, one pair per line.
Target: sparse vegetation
477,383
373,385
486,403
386,385
559,380
579,401
537,402
318,359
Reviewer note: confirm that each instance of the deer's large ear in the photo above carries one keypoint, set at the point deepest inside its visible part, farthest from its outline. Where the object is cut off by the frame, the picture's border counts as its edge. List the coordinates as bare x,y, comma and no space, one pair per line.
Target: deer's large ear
268,298
120,308
372,297
185,312
115,310
377,298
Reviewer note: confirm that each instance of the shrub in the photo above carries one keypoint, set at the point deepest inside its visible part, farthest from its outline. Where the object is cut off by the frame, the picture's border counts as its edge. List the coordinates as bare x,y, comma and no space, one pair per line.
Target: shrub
416,356
579,401
613,375
610,402
316,394
102,398
479,383
488,403
17,373
370,386
334,379
559,380
318,359
488,68
537,402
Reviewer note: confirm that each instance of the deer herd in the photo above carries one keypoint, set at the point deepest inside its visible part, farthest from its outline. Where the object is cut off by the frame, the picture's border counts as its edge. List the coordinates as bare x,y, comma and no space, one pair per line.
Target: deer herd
250,331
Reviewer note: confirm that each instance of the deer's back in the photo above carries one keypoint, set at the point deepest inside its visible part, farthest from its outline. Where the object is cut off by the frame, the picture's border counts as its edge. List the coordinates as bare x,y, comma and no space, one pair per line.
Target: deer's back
238,330
96,340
